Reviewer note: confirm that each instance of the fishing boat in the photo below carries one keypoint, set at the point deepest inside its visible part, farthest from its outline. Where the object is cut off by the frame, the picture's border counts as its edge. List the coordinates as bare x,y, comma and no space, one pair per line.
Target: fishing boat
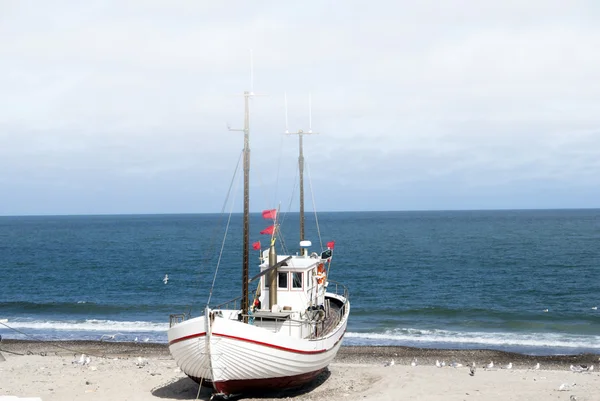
287,334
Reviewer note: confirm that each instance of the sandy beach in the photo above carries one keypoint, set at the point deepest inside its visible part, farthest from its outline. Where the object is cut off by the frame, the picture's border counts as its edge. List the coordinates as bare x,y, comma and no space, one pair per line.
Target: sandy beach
130,371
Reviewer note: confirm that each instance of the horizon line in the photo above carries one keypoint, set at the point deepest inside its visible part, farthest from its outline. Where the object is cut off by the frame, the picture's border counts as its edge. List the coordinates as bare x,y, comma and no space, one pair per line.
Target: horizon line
296,212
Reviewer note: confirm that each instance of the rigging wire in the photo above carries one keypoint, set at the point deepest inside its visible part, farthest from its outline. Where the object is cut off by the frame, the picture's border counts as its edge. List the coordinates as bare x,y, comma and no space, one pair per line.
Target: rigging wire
212,287
312,194
281,239
211,245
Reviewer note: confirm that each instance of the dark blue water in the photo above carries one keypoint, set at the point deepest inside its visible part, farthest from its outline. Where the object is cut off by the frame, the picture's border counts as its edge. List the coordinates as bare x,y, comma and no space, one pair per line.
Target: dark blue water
472,279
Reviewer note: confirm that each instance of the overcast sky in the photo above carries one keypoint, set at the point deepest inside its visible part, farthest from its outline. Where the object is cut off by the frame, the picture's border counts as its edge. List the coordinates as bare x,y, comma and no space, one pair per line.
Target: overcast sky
122,106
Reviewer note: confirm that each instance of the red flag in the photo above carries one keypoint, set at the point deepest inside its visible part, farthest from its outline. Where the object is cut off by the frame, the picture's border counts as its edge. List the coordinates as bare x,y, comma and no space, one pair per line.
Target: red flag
269,230
331,244
256,246
269,214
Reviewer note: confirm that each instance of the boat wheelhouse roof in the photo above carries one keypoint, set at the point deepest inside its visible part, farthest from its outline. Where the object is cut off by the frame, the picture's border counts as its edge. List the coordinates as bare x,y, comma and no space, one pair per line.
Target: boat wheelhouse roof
297,262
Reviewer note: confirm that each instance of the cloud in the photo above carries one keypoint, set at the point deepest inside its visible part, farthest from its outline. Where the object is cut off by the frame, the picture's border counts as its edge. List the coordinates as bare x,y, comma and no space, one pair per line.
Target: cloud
408,97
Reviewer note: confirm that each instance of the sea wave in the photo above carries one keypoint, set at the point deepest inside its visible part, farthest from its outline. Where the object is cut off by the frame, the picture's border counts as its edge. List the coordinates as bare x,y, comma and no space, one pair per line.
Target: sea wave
96,325
449,338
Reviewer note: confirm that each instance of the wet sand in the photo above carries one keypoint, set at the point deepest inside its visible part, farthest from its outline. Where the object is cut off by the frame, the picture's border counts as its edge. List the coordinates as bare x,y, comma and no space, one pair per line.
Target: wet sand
116,372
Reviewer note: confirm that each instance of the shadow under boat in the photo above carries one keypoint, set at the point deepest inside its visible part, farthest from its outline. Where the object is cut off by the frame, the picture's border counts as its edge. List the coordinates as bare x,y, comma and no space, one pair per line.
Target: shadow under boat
187,389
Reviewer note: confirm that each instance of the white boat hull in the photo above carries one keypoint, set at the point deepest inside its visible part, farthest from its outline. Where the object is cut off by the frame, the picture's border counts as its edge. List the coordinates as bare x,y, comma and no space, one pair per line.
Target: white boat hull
237,357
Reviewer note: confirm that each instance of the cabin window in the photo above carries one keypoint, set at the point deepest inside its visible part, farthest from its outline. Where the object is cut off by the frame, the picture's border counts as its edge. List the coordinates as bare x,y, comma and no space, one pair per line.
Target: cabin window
282,280
296,280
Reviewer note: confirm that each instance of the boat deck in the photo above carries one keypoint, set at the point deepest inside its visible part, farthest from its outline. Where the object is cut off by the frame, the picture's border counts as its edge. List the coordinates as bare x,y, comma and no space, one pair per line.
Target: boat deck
331,319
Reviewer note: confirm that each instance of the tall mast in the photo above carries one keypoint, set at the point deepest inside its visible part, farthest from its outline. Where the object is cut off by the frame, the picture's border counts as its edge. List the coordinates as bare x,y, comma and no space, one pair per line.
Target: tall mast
245,267
246,223
300,134
301,171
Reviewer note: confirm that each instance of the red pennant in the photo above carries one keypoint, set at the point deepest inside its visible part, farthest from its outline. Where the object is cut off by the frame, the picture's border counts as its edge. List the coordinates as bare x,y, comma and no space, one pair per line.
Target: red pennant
269,230
256,246
331,244
269,214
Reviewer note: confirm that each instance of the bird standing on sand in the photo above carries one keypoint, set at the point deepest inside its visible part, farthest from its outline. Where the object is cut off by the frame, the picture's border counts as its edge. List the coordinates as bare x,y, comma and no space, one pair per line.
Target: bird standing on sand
438,364
473,369
509,366
537,366
490,365
390,363
414,362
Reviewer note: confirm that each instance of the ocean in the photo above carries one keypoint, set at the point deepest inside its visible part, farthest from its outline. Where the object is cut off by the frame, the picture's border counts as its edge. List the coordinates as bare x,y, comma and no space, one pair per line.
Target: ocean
526,281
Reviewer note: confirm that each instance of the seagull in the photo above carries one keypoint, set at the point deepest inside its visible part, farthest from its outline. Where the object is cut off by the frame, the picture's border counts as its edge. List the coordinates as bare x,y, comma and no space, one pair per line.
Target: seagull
591,368
390,363
141,362
545,310
594,307
537,366
83,360
136,340
438,364
414,362
456,364
509,366
566,386
166,279
109,336
575,369
443,363
473,368
146,339
490,365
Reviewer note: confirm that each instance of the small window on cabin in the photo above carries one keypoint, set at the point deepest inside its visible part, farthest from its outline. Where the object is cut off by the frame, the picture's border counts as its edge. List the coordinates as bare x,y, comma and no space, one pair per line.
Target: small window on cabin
282,280
266,281
296,280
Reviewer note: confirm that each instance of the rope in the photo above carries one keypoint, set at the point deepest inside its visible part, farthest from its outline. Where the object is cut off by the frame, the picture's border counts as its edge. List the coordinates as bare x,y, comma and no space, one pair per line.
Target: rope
199,388
51,344
222,245
216,227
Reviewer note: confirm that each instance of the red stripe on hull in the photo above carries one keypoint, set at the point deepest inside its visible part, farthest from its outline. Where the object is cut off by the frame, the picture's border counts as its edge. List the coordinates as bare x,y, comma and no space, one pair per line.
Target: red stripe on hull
297,351
186,338
230,387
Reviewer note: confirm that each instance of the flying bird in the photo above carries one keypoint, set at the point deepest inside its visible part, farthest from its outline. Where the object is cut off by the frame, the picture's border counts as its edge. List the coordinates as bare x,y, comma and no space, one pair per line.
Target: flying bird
166,279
